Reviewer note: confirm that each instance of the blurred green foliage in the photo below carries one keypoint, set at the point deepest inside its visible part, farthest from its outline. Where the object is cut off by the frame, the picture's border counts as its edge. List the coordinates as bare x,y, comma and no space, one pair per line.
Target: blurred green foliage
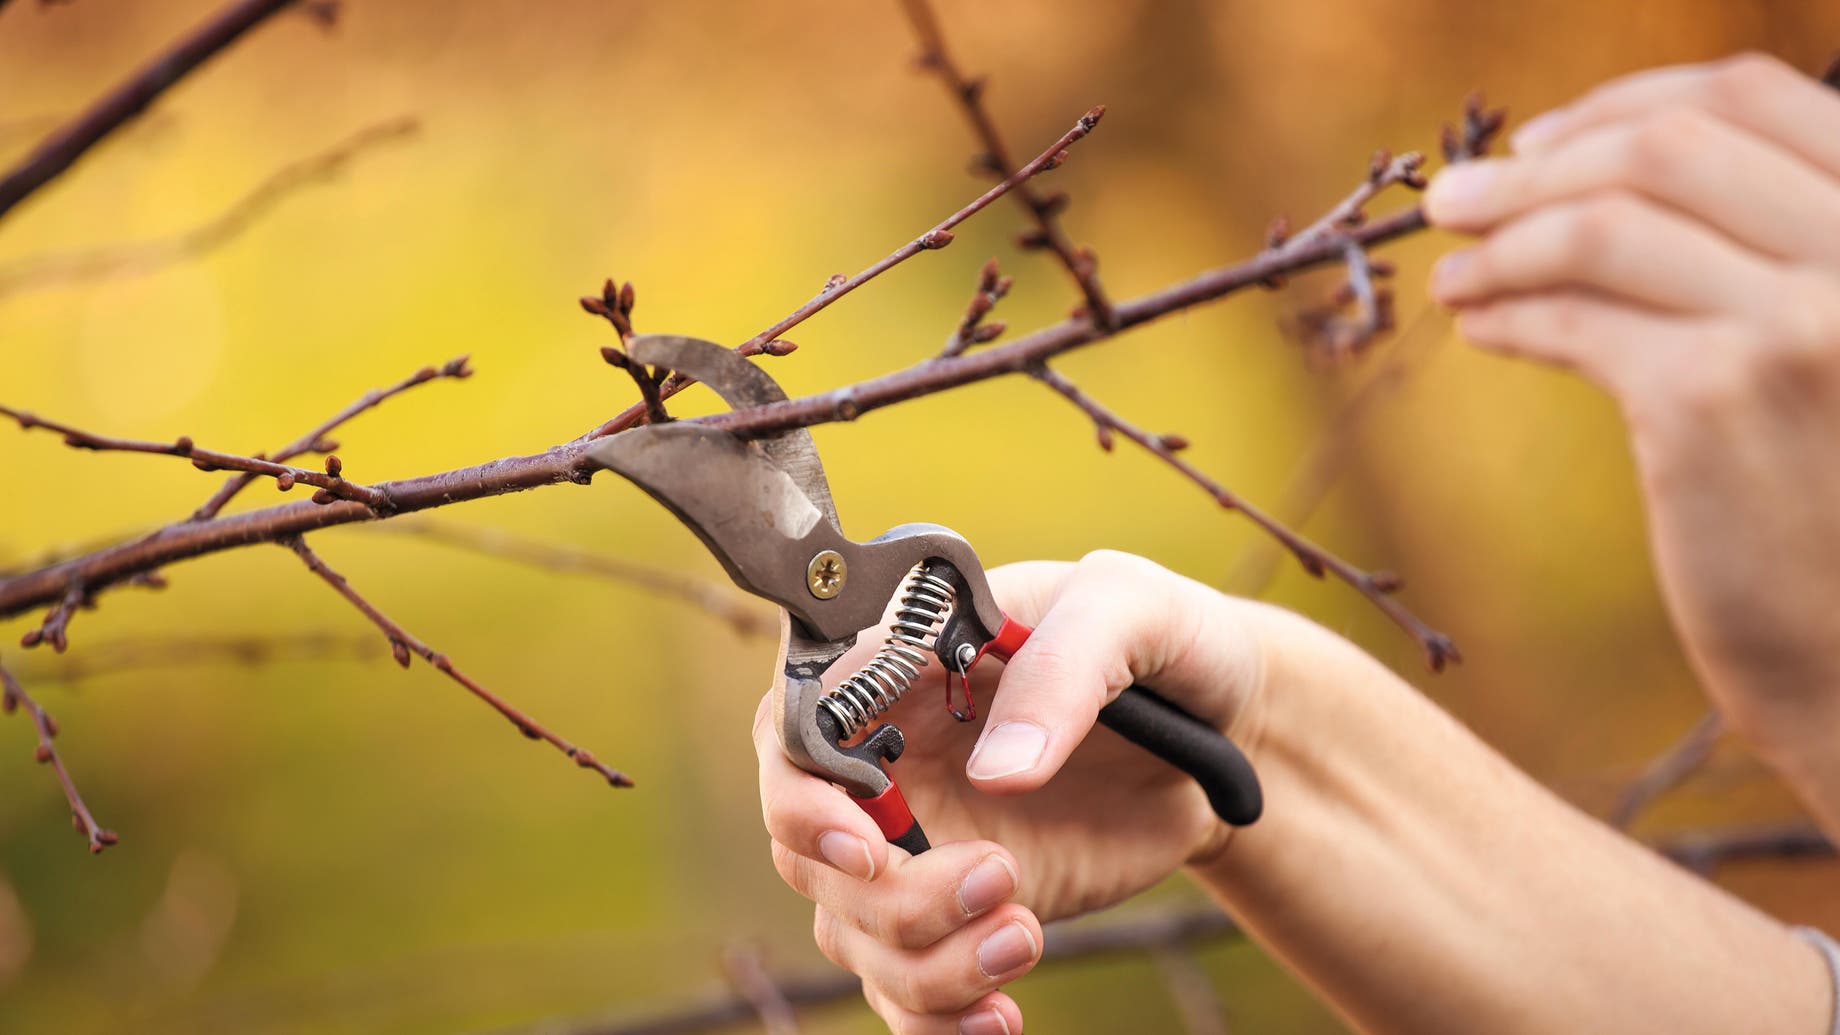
337,845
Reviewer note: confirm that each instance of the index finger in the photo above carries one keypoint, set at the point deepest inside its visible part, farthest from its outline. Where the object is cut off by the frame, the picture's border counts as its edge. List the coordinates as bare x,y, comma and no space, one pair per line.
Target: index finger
1755,91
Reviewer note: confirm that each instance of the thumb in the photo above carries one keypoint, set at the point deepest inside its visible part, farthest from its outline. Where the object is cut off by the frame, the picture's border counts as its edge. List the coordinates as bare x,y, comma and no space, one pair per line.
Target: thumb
1117,619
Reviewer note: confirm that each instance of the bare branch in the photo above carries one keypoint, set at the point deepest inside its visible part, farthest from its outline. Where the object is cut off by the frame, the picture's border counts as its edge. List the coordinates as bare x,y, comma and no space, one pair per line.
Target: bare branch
995,160
972,330
13,697
402,644
63,147
1194,995
566,463
1668,770
126,260
1377,587
331,483
750,980
718,600
315,441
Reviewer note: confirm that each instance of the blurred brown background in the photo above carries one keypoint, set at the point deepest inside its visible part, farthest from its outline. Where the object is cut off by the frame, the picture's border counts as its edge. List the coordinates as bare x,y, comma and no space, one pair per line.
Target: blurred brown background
332,844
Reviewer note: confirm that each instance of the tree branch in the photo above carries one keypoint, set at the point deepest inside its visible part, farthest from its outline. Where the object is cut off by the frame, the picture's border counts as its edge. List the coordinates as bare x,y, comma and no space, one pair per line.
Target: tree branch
99,263
1704,851
402,643
63,147
1377,587
331,482
1668,770
718,600
13,697
118,656
1044,209
566,463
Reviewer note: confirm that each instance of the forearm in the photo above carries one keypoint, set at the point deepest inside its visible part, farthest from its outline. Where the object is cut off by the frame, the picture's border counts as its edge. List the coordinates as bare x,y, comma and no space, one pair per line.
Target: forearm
1423,884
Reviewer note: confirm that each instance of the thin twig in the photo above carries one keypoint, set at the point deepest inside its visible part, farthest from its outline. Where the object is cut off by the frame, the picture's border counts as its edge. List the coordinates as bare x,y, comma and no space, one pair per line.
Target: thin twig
126,260
315,441
139,655
13,697
402,644
129,98
331,482
1377,587
751,981
971,329
938,237
718,600
1196,1001
1668,770
1044,209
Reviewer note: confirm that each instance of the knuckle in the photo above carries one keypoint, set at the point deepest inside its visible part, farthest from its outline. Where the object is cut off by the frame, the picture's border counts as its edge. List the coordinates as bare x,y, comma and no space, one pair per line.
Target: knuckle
905,923
1658,147
1589,229
1807,332
827,934
1745,78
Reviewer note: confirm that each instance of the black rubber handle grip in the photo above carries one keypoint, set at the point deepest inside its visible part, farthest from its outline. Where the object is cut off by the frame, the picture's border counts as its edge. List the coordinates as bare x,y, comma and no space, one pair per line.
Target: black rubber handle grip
1163,728
913,839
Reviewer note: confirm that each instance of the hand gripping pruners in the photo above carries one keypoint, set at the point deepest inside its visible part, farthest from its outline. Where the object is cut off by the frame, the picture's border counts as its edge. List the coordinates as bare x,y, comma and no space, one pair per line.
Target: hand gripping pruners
764,508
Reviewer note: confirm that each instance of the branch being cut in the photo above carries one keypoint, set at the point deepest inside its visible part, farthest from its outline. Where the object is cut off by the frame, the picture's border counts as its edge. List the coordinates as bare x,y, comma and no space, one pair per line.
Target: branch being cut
62,148
717,600
402,643
566,462
1377,587
1044,209
101,263
12,698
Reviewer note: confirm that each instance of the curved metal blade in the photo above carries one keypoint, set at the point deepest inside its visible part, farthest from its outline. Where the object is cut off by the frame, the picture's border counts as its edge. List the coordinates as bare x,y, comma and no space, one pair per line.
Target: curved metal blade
742,383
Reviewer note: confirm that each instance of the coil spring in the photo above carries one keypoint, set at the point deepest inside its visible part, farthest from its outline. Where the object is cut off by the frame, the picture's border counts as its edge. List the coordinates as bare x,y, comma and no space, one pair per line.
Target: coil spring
925,601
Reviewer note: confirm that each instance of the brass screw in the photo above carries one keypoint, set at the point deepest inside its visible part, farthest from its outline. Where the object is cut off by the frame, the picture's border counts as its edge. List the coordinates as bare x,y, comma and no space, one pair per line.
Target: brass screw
825,574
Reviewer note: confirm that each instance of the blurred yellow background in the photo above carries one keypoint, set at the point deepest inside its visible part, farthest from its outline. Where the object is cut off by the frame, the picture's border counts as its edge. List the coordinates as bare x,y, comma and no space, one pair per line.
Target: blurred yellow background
331,844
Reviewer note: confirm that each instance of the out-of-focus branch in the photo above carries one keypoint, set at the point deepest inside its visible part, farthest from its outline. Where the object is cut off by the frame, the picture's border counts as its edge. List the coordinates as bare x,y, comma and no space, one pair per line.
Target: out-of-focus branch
718,600
315,441
1189,988
131,259
129,98
995,160
1377,587
331,482
139,655
1704,851
1066,942
1668,770
402,644
14,697
1323,462
748,976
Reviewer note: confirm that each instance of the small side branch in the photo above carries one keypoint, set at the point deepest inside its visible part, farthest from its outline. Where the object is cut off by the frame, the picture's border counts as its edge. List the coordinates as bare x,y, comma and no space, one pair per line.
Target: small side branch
63,147
972,330
1704,851
402,644
1044,209
1377,587
330,482
14,697
315,441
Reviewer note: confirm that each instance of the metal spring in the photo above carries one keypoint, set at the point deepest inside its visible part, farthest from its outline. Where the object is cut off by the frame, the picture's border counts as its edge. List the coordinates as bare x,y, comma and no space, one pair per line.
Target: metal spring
925,601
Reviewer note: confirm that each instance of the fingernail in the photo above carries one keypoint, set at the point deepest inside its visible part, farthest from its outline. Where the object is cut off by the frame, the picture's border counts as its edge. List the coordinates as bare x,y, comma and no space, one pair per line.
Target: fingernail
1007,749
1537,131
1447,276
984,1022
1010,947
989,884
1459,189
848,853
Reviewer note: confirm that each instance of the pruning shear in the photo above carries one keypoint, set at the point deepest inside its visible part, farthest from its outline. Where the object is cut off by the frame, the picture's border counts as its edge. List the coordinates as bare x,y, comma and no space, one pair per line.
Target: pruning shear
764,508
